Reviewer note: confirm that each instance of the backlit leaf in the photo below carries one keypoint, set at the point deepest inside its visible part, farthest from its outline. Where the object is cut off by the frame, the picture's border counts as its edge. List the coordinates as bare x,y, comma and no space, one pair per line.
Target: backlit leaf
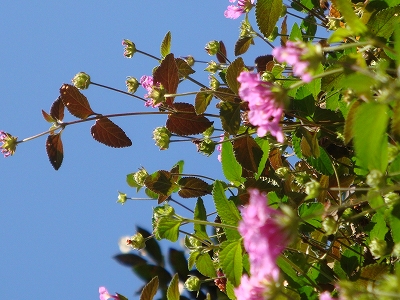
200,214
184,69
243,44
110,134
231,260
323,163
262,62
384,22
349,124
226,94
264,146
352,20
202,101
230,167
173,289
221,54
47,117
167,228
283,33
230,117
76,103
167,75
267,14
232,73
57,109
150,290
204,265
54,149
165,48
247,152
193,187
185,121
160,182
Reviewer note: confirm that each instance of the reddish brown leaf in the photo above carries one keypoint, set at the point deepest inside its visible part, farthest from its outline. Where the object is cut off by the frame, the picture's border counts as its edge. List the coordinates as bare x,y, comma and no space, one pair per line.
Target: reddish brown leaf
75,101
54,149
150,290
167,74
47,117
192,187
57,109
221,54
275,158
262,61
185,121
284,37
247,152
110,134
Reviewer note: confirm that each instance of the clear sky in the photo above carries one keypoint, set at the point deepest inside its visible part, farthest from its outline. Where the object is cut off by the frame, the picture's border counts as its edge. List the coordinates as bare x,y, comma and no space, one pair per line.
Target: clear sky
59,229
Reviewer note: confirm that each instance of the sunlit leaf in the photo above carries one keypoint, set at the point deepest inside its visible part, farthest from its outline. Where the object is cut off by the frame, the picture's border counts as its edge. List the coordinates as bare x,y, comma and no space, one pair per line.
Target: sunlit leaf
47,117
247,152
167,228
295,33
221,54
349,124
384,22
185,121
204,265
264,146
395,125
230,116
230,167
167,75
267,14
193,187
243,44
76,103
283,33
165,48
200,214
202,101
54,149
173,289
150,290
57,109
110,134
231,260
184,69
232,73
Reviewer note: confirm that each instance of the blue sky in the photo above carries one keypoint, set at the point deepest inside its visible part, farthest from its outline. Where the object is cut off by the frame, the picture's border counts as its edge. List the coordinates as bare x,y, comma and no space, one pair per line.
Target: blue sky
59,229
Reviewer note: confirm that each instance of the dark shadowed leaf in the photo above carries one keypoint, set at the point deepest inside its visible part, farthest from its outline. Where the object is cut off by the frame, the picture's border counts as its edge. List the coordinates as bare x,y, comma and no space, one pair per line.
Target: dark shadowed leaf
178,263
267,14
262,61
167,75
150,290
130,259
243,44
184,69
165,48
247,152
57,109
185,121
76,103
110,134
54,149
230,116
226,94
202,101
221,55
232,73
193,187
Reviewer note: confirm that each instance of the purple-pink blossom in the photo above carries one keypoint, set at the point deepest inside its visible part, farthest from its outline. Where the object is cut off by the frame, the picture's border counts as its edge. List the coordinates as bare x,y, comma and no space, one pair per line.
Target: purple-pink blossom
265,110
147,83
292,54
9,143
264,237
234,12
105,295
326,296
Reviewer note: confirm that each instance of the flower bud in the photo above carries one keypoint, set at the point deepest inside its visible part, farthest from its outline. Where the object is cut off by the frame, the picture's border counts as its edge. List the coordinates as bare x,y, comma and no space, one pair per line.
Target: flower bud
208,132
206,147
121,198
130,48
157,95
377,248
213,67
375,178
9,143
190,60
212,47
81,80
267,76
329,225
132,84
312,189
137,241
162,137
214,83
140,176
391,198
396,250
282,172
193,284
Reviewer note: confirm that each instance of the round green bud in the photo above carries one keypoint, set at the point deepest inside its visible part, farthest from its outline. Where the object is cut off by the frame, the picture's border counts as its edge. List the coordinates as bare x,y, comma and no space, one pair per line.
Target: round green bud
137,241
375,178
157,94
391,198
81,80
190,60
268,76
330,225
378,248
396,250
312,189
140,176
122,198
282,172
132,84
162,137
193,284
212,67
212,47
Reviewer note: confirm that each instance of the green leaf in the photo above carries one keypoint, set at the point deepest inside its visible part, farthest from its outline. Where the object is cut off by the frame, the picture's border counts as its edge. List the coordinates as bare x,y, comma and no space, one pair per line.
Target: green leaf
346,9
205,265
384,22
150,289
290,274
232,260
379,229
226,210
315,85
232,73
395,125
370,139
230,167
267,15
394,168
351,259
394,222
202,101
167,228
349,124
184,69
323,163
247,152
311,213
295,34
376,201
161,182
165,48
309,26
264,145
230,116
173,289
397,44
200,214
304,102
339,35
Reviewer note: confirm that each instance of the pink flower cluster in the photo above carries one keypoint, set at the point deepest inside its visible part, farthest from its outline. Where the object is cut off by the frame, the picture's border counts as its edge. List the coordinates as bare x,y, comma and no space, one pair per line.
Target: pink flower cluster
265,111
147,83
234,12
292,54
104,294
264,240
9,143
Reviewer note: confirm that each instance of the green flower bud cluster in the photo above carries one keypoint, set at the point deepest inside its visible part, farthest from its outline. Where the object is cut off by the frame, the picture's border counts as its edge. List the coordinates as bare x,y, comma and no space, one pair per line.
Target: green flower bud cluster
81,80
212,47
132,84
162,137
130,48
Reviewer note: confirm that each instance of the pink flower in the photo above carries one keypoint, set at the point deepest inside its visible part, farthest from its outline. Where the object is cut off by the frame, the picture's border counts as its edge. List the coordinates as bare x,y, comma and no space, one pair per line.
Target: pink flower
325,296
219,148
147,83
104,295
234,12
9,143
292,54
265,237
265,111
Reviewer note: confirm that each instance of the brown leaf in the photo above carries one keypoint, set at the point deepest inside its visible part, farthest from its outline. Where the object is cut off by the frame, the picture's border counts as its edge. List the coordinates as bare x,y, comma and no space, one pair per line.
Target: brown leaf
247,152
76,103
185,121
47,117
110,134
184,69
275,158
167,75
284,32
54,149
57,109
262,61
150,290
221,54
192,187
